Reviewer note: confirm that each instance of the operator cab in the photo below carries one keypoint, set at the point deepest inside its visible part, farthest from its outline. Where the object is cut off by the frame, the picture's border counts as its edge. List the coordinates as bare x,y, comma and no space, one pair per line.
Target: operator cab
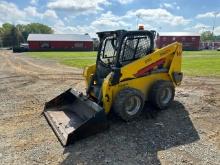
119,48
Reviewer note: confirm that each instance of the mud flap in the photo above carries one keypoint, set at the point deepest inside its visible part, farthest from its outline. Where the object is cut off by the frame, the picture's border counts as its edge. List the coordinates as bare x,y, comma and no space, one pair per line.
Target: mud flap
73,116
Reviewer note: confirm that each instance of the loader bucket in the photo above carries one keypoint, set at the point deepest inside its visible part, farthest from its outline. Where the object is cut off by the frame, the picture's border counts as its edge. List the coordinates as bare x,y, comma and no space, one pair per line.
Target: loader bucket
73,116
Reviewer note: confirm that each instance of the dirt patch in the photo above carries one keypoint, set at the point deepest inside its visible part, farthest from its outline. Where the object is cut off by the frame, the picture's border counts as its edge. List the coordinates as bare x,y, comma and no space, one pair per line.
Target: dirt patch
187,133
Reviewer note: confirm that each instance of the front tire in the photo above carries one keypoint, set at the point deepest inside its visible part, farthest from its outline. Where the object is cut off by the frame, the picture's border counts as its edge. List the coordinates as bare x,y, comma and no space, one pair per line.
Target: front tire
128,103
161,94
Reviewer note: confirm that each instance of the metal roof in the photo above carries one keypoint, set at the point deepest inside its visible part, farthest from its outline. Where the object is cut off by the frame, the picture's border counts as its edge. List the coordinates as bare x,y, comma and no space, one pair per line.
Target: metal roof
178,34
58,37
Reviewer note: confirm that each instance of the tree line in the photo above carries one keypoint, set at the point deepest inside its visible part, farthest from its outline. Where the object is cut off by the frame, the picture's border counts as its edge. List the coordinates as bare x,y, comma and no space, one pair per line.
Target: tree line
12,35
208,36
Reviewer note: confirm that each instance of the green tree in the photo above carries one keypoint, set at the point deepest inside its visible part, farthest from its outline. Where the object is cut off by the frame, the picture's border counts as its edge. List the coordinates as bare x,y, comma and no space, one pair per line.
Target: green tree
16,36
207,36
1,33
36,28
1,44
7,27
217,38
6,34
11,35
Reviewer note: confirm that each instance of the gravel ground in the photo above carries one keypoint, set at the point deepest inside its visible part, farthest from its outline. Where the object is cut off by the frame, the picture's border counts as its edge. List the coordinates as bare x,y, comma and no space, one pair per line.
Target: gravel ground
187,133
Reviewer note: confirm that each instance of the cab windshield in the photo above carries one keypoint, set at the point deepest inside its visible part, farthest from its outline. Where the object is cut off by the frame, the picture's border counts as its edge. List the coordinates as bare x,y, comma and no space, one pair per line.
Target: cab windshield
132,46
109,50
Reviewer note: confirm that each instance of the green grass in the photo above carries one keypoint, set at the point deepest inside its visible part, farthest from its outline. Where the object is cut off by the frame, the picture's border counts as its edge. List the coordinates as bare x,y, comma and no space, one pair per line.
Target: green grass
201,53
195,63
201,66
75,59
80,63
201,63
62,55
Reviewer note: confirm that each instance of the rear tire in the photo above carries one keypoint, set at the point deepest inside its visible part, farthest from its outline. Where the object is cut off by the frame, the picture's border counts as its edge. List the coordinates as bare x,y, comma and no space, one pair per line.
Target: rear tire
161,94
128,103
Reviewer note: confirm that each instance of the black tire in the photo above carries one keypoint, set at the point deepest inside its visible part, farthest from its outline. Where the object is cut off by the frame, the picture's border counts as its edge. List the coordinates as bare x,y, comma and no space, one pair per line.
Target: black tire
125,98
161,94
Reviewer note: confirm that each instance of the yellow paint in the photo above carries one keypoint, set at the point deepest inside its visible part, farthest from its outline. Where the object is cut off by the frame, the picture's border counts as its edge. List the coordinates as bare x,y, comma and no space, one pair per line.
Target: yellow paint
88,71
172,54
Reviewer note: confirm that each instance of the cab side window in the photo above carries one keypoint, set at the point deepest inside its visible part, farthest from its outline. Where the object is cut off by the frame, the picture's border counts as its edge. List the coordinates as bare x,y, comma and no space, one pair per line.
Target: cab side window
134,47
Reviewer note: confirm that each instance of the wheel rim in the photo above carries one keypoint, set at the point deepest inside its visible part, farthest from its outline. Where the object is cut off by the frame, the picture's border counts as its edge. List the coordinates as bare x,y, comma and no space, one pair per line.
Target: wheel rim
132,105
166,95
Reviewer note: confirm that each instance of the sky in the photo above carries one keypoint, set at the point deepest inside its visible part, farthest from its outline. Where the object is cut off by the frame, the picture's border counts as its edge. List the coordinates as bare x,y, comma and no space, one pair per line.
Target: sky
91,16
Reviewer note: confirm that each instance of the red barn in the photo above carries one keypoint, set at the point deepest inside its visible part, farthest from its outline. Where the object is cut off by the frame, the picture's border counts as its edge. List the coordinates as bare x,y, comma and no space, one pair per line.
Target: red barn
60,42
190,41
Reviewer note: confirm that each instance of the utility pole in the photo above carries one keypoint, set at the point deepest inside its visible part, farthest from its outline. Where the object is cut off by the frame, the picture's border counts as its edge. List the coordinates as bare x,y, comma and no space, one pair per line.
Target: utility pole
213,28
202,41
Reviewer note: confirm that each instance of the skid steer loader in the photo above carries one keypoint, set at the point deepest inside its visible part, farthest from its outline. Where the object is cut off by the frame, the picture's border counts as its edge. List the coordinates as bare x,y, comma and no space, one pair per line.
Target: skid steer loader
128,72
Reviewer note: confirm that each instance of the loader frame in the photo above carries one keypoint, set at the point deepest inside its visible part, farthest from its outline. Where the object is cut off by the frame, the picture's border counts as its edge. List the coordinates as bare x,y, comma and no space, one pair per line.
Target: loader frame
127,65
141,73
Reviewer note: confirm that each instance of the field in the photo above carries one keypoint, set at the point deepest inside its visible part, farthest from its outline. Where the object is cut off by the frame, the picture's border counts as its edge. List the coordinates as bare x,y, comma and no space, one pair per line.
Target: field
201,63
76,59
195,63
186,133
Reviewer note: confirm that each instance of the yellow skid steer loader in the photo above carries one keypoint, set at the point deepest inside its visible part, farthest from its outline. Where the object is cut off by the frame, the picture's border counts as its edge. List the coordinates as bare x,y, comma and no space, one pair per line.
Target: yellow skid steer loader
128,72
